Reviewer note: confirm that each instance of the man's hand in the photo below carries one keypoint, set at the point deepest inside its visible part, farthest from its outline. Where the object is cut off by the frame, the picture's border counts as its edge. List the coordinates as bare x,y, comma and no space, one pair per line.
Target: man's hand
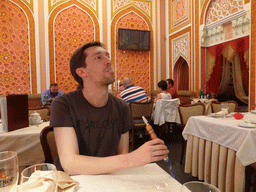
153,150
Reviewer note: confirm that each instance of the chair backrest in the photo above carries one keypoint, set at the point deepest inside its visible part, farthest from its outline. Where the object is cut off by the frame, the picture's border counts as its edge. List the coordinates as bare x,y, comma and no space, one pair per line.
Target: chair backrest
141,109
216,106
48,144
188,110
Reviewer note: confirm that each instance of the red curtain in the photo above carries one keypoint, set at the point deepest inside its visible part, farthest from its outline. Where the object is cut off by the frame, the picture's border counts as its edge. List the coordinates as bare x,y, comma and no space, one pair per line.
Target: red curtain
214,83
240,46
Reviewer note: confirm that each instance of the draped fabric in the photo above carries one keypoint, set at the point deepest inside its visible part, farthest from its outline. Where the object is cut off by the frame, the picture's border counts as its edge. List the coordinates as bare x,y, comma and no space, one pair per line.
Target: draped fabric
218,58
237,79
225,76
214,82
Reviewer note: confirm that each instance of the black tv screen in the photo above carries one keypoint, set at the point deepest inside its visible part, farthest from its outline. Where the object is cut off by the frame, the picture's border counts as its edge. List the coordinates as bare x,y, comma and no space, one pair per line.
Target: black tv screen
133,39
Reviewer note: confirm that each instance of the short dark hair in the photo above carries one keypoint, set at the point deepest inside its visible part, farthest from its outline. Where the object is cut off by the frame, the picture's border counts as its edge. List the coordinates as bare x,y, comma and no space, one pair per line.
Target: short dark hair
53,84
170,81
162,84
78,59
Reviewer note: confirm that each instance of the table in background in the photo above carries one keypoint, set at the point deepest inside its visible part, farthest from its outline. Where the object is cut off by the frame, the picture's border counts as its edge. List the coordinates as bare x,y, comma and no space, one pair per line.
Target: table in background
26,142
206,102
146,178
218,150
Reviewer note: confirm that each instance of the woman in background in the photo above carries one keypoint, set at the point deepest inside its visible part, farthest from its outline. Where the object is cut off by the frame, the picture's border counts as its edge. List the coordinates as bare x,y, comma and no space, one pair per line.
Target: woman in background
162,86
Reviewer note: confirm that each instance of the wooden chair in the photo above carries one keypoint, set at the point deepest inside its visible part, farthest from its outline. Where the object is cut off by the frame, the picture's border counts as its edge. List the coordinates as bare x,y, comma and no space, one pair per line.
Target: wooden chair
48,144
186,111
138,110
216,106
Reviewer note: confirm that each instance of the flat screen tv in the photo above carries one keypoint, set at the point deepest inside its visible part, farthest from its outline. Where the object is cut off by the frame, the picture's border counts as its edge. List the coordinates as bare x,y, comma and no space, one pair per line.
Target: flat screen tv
133,39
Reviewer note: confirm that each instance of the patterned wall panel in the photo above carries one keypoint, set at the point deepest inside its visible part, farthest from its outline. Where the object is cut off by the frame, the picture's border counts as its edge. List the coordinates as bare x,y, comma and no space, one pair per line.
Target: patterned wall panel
137,65
142,5
179,14
73,28
17,53
220,9
90,4
181,47
132,64
69,28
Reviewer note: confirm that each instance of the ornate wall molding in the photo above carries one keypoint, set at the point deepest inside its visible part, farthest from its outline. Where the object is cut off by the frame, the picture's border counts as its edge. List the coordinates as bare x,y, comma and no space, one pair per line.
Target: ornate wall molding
181,48
232,27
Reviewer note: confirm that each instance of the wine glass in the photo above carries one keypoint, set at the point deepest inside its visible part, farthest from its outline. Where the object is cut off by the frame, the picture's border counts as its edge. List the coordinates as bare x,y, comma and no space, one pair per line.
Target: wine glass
197,186
9,171
33,177
224,109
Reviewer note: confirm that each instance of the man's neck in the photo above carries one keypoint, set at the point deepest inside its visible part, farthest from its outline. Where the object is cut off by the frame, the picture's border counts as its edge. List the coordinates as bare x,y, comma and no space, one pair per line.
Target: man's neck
98,97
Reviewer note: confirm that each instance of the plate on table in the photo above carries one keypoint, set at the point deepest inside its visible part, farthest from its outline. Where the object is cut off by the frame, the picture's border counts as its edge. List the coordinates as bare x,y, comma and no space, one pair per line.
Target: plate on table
251,121
215,115
253,111
247,125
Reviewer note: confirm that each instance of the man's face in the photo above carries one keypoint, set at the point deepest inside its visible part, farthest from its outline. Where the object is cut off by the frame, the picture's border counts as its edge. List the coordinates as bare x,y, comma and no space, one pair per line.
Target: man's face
54,90
98,66
168,85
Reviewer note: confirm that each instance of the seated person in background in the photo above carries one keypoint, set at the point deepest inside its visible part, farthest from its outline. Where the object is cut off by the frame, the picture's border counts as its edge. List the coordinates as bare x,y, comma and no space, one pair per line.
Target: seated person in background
120,89
48,95
91,126
133,93
162,86
171,89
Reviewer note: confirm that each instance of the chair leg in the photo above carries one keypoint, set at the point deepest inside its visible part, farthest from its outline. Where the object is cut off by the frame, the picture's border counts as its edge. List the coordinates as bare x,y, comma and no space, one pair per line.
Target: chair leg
132,138
248,177
183,149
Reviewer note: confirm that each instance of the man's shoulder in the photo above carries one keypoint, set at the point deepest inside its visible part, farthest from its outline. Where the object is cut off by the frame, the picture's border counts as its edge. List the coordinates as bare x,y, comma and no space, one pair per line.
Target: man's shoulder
46,91
117,100
60,92
73,95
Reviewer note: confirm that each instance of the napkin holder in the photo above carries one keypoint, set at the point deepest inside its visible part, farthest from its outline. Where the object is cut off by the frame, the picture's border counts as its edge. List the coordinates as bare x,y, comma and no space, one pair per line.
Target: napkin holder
14,112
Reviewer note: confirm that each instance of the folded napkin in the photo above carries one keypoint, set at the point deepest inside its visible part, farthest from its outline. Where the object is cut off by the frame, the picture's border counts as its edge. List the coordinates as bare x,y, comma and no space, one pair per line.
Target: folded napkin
47,182
238,116
219,113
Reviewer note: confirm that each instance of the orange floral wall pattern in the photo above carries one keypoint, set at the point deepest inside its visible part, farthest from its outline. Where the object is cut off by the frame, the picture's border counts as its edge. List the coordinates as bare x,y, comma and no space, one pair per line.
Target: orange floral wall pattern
132,64
219,9
73,28
14,50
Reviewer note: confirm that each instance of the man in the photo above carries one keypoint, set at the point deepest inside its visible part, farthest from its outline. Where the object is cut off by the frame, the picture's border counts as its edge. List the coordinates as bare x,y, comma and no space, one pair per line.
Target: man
133,93
171,89
48,95
91,126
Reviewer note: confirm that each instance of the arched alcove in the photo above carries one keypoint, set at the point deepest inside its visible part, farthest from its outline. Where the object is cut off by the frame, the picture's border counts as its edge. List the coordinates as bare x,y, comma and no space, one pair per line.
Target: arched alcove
181,74
70,26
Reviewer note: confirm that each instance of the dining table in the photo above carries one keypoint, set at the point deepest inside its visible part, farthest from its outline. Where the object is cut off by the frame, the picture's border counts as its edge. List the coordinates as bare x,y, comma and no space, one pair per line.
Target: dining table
219,148
26,142
148,178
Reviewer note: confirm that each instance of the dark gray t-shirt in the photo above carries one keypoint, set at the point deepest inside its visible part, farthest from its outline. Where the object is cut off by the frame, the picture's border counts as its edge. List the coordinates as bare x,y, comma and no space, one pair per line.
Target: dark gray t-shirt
98,130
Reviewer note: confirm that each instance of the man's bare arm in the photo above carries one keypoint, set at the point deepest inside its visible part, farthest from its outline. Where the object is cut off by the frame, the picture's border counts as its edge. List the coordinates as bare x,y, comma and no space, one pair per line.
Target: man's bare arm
75,164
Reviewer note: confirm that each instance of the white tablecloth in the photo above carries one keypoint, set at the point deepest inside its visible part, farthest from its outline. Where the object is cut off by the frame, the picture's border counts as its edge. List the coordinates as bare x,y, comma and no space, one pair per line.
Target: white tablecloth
146,178
166,111
227,133
26,142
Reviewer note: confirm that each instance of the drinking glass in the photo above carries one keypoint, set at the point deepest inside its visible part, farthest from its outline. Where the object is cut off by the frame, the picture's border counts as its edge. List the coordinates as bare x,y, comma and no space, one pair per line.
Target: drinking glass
9,171
32,177
197,186
224,108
